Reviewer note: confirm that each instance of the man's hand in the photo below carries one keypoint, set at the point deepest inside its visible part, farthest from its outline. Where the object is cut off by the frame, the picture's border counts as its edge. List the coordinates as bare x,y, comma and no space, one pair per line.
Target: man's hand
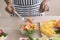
9,8
44,6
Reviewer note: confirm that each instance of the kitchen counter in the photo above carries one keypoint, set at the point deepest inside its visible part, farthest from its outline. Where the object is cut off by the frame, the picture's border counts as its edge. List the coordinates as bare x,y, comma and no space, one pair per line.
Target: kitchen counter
10,25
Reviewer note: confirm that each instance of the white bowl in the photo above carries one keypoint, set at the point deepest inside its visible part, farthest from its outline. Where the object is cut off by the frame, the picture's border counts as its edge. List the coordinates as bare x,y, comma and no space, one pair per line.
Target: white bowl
5,38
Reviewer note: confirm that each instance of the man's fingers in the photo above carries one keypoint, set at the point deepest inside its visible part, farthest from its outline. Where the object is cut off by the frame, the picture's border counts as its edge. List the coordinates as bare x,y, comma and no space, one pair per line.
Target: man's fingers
8,9
46,8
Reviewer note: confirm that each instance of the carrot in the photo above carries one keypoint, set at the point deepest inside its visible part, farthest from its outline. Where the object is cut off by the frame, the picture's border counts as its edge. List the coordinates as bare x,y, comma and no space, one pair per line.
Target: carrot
23,28
25,23
30,20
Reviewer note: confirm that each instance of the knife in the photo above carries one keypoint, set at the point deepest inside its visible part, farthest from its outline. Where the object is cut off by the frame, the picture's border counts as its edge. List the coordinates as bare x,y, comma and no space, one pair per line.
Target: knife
39,29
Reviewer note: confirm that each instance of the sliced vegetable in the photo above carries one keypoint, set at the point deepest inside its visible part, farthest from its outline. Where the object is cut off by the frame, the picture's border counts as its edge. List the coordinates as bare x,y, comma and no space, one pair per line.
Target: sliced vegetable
56,39
25,24
30,20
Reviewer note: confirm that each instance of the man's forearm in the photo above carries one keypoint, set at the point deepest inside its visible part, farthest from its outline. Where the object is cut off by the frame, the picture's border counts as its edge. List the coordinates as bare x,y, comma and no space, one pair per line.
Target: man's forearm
8,1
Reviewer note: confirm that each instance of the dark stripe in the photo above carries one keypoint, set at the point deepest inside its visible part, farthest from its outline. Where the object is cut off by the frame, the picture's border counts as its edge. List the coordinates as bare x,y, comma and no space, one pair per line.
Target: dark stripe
36,1
18,2
25,2
30,2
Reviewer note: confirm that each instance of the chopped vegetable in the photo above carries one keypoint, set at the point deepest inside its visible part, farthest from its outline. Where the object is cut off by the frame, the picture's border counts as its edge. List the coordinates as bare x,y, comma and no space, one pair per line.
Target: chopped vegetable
56,39
30,20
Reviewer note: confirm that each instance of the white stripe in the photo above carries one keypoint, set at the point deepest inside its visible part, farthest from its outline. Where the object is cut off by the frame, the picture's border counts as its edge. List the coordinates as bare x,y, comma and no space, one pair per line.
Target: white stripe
24,2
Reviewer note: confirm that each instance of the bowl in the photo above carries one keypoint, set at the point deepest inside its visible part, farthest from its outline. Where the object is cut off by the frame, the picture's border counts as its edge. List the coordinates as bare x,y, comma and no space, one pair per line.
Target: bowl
5,38
28,29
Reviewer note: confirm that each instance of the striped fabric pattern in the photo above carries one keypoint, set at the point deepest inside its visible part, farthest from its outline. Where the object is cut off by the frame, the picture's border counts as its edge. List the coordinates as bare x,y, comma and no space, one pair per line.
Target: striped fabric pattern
27,7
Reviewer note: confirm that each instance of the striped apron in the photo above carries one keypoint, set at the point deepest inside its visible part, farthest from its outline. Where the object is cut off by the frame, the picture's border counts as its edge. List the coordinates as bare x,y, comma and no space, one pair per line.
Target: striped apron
27,7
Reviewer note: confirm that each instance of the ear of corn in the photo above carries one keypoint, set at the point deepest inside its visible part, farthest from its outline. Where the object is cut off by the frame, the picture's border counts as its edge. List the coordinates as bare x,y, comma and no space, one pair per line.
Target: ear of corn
50,23
46,28
47,32
50,29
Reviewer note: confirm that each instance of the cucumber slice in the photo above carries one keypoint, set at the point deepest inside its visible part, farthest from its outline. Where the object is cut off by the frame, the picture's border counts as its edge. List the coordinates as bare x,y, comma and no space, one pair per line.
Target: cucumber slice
56,39
37,38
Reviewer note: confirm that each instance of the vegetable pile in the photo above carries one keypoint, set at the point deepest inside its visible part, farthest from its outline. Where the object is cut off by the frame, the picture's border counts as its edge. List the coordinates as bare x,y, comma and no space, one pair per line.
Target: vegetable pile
47,28
29,27
2,34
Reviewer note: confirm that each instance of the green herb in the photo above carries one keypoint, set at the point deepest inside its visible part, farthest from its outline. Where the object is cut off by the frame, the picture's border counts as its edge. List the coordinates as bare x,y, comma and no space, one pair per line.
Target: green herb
37,38
57,31
31,38
56,39
5,34
31,31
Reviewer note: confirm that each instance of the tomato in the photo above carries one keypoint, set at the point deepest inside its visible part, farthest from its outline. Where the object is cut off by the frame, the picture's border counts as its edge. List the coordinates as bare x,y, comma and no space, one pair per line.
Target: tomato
57,25
1,32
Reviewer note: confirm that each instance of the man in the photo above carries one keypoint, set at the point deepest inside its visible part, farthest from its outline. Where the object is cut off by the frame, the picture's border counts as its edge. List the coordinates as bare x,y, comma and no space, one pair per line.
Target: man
43,7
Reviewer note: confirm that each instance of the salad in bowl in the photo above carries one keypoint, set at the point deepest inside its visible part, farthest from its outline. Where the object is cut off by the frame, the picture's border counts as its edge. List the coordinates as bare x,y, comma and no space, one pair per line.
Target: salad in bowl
28,27
3,35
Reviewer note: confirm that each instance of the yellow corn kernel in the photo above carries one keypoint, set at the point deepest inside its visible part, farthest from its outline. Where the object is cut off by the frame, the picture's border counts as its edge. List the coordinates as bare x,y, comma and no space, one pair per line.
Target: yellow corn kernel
35,26
29,27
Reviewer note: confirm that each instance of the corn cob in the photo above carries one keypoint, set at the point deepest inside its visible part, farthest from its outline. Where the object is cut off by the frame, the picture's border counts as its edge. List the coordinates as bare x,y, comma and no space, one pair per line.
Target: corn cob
46,32
49,29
